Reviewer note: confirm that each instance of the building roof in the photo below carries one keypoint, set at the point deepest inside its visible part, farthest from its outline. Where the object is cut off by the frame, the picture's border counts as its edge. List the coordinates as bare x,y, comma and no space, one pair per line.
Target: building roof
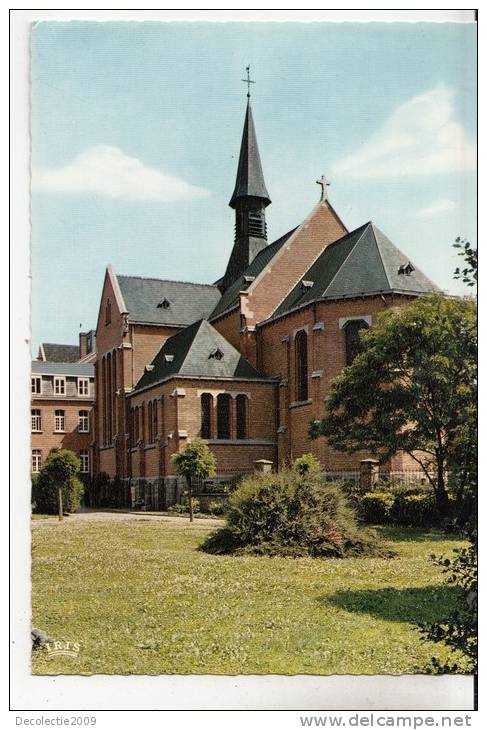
198,351
63,368
364,261
51,352
158,301
250,178
230,296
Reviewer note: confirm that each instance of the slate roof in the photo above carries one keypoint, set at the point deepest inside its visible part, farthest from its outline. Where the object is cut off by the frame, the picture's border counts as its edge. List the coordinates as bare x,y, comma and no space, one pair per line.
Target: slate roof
60,353
364,261
250,178
84,370
191,353
188,302
230,296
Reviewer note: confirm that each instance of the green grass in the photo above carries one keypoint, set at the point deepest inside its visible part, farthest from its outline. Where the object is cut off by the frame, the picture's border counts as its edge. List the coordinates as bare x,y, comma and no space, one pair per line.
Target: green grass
140,598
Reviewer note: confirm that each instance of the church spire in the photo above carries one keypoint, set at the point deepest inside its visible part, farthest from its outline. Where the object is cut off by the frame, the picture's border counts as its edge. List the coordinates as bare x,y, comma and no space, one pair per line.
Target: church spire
250,178
249,200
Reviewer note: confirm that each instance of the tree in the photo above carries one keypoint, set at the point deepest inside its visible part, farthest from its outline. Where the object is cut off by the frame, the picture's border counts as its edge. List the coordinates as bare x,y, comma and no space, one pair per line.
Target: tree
469,273
195,461
410,388
57,487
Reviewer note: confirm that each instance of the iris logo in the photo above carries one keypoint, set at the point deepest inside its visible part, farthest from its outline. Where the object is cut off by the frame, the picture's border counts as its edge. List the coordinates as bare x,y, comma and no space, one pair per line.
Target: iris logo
62,648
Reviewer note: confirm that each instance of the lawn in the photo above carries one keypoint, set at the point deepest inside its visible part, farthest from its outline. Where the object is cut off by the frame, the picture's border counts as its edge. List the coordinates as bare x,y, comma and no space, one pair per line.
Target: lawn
140,598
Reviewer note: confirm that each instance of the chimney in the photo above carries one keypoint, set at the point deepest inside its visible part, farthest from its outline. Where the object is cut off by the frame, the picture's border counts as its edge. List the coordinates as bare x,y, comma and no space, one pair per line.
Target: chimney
83,344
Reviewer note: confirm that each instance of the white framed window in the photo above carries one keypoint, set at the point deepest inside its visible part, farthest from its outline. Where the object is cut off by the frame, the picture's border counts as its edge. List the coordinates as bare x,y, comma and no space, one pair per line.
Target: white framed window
83,386
59,421
36,385
59,385
84,462
83,422
36,419
36,461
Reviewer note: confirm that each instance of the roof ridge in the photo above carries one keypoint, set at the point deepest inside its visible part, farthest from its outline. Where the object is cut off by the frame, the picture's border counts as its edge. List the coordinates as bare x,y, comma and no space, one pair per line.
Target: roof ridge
168,281
365,226
380,253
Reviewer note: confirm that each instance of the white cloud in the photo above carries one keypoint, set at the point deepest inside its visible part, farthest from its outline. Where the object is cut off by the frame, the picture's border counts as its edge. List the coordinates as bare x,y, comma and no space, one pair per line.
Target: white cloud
419,138
109,172
439,206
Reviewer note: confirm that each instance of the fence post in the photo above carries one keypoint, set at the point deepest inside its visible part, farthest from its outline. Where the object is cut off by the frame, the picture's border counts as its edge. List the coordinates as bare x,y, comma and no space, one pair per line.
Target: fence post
369,474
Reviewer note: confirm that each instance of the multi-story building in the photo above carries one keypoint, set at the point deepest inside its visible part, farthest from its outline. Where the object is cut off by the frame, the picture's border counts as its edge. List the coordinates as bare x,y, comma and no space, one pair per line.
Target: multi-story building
62,411
246,362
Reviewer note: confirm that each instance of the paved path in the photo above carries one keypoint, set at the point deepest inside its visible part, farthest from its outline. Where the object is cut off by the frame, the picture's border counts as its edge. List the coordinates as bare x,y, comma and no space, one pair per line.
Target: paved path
100,515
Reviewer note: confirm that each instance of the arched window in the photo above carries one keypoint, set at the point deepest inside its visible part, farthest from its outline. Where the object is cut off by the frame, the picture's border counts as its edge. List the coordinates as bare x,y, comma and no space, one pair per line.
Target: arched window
353,343
155,429
206,408
223,416
301,350
241,406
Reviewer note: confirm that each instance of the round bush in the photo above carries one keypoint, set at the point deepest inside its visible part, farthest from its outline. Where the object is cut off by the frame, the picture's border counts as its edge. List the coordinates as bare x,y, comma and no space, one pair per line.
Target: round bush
60,469
375,507
291,514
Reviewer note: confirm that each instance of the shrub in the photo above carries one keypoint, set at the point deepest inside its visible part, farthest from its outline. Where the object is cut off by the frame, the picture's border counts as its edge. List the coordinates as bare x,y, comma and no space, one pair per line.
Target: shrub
60,469
307,464
217,508
101,485
414,510
375,507
183,509
287,514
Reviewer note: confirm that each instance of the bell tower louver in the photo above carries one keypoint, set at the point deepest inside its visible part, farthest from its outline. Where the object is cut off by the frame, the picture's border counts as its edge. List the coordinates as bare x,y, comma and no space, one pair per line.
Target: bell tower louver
249,200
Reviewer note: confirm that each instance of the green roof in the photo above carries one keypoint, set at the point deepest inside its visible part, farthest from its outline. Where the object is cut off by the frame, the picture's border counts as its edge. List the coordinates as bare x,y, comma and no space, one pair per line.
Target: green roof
363,262
198,351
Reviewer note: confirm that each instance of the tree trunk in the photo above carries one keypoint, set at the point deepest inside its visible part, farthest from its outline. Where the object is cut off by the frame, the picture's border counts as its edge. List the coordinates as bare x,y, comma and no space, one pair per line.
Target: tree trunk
190,499
60,502
442,501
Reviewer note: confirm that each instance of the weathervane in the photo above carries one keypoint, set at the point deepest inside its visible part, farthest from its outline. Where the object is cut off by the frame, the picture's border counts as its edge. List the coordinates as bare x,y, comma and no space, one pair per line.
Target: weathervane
324,184
248,81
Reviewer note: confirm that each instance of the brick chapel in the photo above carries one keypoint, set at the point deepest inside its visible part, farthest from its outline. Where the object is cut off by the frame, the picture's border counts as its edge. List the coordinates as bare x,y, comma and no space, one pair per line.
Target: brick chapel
245,362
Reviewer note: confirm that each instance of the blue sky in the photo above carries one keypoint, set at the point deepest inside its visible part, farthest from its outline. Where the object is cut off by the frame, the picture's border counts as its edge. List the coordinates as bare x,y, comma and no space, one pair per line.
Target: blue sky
136,131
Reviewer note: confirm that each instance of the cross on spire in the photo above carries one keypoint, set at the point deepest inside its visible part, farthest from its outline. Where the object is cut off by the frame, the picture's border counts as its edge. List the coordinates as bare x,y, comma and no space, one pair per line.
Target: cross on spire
248,81
324,184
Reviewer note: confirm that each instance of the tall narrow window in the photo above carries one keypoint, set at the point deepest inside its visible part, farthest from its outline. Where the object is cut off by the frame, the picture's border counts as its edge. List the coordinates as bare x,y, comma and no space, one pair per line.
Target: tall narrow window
301,350
136,425
109,399
83,387
59,386
83,422
132,427
241,405
206,408
59,421
108,312
155,429
223,416
353,343
84,462
36,385
150,423
36,461
36,419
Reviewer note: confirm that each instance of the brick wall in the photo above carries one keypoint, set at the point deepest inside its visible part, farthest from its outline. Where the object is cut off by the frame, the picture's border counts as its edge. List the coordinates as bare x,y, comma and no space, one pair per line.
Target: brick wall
72,439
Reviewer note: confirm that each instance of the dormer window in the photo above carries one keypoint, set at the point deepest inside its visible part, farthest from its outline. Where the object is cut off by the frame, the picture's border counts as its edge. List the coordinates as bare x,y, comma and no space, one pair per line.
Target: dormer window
249,279
306,284
165,304
216,354
406,269
168,358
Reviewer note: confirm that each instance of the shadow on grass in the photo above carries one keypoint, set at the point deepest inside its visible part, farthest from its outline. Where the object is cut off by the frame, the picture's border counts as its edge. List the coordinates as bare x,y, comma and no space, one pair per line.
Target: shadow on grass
418,534
409,605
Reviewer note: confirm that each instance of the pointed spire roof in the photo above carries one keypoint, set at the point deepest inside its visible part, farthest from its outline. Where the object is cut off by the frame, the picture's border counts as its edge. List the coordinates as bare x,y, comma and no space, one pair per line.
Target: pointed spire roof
250,178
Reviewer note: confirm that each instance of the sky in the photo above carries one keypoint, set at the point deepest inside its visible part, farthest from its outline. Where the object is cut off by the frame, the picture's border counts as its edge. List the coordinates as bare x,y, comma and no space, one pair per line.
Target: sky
136,131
